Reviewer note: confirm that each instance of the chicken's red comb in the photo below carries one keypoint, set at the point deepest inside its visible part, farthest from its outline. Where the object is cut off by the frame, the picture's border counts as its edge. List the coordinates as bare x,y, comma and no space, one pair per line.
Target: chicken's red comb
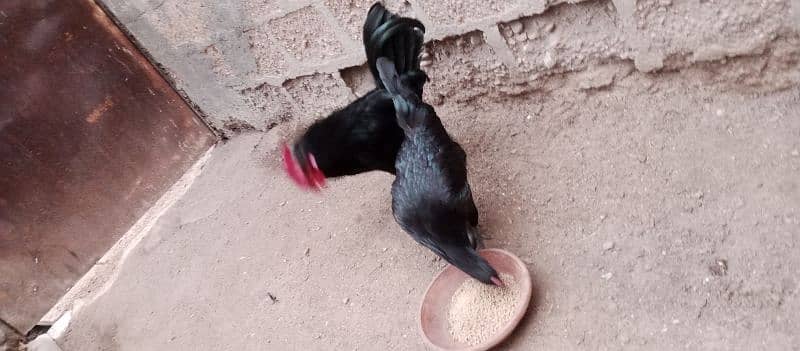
312,178
314,173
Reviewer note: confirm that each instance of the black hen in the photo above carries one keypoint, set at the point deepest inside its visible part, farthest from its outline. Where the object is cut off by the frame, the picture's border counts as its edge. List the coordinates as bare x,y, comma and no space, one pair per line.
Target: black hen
431,198
363,136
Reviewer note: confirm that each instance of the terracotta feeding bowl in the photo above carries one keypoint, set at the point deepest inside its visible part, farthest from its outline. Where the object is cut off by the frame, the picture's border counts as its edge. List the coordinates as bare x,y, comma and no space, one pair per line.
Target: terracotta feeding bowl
433,313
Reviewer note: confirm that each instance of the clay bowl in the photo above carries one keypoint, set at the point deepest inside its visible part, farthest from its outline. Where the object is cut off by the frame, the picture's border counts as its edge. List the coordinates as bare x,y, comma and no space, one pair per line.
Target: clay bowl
433,313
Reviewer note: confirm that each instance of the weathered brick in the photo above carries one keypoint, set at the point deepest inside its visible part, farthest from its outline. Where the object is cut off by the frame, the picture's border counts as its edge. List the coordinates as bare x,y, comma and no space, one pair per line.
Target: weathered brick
352,13
463,67
269,55
262,10
305,35
458,12
567,36
318,95
270,104
358,79
219,62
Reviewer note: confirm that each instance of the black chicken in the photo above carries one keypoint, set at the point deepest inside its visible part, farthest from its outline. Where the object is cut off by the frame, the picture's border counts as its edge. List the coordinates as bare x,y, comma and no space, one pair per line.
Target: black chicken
431,198
363,136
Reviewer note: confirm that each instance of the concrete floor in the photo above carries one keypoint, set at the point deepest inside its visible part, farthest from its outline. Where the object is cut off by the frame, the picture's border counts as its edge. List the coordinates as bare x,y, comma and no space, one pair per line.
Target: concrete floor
622,201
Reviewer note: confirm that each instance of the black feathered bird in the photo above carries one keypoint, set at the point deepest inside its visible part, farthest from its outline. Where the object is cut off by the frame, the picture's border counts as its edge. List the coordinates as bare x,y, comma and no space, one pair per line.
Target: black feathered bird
431,197
363,136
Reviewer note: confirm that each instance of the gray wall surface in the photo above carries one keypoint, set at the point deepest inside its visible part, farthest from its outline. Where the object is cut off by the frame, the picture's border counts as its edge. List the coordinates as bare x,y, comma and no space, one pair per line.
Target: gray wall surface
251,64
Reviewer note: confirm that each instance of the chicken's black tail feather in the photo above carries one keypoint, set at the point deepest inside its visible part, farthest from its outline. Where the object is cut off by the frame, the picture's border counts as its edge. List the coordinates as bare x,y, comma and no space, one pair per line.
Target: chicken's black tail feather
408,105
397,38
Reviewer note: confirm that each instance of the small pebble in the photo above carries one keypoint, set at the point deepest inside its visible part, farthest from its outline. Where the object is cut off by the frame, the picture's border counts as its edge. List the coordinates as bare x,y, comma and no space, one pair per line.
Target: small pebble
624,339
608,245
719,268
346,300
475,40
516,26
607,276
307,252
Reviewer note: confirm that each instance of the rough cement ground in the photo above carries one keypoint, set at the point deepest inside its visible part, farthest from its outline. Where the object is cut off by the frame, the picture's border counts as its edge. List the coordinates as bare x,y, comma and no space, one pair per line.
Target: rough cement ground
655,213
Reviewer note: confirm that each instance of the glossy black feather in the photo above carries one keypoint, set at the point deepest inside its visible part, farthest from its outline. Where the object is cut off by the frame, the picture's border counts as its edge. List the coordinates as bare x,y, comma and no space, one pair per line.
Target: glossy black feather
431,196
358,138
364,136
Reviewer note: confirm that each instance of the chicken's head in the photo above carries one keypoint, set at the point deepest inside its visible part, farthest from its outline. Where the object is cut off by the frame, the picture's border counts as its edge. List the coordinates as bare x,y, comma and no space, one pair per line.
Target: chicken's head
303,169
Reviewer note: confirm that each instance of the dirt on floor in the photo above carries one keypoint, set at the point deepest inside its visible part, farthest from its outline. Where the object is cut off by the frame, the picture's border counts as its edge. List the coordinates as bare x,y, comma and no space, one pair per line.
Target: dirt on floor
656,213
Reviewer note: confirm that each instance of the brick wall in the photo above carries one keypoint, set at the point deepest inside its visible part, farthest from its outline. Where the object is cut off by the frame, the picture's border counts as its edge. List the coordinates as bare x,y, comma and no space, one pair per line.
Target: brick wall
252,64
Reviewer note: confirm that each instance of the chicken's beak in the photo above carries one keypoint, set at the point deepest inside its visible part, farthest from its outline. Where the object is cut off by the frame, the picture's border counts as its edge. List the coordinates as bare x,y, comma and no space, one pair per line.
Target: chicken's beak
467,260
305,176
498,282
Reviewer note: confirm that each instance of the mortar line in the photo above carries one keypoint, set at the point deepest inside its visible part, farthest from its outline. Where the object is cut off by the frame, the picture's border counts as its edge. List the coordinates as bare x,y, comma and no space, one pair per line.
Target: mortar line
342,33
501,49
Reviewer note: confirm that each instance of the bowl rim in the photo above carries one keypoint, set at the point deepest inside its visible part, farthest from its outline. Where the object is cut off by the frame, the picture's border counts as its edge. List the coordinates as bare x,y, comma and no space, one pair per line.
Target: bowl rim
505,332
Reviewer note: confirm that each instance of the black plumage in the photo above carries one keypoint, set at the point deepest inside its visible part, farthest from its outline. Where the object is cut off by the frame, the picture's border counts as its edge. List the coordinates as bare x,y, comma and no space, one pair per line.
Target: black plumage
363,136
431,196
